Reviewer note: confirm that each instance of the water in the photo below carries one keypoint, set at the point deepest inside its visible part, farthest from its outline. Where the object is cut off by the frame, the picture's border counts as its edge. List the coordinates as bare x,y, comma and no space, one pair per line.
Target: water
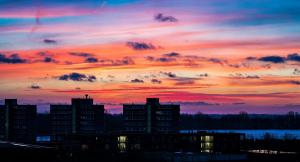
43,139
250,134
257,134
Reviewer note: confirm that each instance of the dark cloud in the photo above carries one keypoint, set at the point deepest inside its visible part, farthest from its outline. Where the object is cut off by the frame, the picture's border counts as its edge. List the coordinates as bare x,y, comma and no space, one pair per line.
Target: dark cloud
295,82
188,60
49,60
77,77
296,72
168,57
108,63
251,58
172,54
124,61
160,59
203,75
47,57
277,59
169,74
35,86
140,45
91,60
162,18
293,57
16,59
81,54
50,41
273,59
165,59
156,81
252,77
137,81
117,62
92,78
12,59
217,61
192,60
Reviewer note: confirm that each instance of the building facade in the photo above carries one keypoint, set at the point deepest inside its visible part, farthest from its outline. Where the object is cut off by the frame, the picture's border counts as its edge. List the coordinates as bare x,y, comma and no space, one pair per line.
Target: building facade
151,117
2,122
60,121
81,117
178,142
200,142
18,122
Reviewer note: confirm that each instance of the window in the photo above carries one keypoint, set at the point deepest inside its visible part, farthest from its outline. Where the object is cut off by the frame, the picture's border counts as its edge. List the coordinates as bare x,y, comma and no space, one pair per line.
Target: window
122,139
122,145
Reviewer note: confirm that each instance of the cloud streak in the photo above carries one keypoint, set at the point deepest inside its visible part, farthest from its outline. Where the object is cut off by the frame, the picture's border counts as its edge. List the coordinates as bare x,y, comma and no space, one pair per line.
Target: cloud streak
91,60
35,86
137,81
77,77
50,41
162,18
139,46
81,54
12,59
277,59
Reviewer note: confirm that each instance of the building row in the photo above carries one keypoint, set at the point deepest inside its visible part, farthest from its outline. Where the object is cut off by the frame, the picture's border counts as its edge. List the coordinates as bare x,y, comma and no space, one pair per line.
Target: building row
152,142
82,117
81,126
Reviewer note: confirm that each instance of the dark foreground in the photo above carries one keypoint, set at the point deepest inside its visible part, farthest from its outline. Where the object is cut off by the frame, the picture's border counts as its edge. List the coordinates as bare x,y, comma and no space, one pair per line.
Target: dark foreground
54,155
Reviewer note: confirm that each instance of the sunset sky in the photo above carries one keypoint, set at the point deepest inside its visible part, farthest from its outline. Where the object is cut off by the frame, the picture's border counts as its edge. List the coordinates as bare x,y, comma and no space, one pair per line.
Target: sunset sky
214,56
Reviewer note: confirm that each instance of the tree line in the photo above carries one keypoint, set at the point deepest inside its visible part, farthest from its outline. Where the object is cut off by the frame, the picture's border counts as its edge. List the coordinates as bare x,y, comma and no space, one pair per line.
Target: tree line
199,121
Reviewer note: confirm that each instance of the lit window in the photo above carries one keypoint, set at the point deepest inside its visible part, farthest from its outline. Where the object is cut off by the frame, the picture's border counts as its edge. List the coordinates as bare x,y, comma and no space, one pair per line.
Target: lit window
207,138
122,147
206,143
122,139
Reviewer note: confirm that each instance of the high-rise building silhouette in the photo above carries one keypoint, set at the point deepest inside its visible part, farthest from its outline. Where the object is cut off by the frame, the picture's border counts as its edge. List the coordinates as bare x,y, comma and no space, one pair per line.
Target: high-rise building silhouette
2,122
18,122
82,117
151,117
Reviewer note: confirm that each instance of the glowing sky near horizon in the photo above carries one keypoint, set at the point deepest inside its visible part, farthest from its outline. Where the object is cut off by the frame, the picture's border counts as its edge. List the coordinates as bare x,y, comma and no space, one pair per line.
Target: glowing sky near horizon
214,56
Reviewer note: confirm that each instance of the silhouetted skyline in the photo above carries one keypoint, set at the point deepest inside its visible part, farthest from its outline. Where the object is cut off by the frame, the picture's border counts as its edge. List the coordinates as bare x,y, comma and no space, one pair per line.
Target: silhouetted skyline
213,57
